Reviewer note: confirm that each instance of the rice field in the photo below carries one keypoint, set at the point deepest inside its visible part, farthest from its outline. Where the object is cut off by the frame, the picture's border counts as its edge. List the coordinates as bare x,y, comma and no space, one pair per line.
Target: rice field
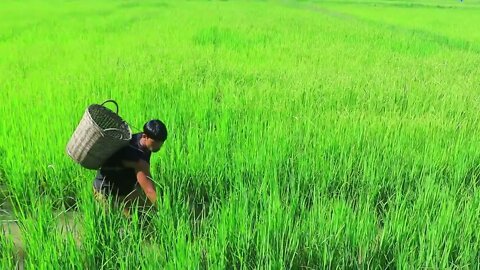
302,134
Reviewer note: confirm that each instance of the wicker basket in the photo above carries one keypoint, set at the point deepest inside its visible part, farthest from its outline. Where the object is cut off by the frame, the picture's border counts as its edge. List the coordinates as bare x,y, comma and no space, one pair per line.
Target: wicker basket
100,133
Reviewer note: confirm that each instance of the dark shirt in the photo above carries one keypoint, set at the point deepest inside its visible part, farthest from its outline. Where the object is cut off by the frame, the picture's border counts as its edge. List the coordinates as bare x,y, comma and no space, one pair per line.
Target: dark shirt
113,177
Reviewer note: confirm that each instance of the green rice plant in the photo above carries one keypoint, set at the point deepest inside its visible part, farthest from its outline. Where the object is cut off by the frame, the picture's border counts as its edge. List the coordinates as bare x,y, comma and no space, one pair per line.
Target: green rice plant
8,257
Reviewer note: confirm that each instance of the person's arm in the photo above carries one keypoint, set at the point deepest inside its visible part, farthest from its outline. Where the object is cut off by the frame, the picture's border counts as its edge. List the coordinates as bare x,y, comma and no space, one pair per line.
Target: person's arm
142,171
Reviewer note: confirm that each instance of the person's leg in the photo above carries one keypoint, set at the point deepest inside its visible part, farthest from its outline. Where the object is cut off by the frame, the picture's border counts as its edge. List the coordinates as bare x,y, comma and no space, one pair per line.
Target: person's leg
137,200
100,197
104,195
131,201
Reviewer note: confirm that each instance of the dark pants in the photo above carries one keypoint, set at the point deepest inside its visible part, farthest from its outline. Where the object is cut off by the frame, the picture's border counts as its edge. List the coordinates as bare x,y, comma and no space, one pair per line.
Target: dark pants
108,199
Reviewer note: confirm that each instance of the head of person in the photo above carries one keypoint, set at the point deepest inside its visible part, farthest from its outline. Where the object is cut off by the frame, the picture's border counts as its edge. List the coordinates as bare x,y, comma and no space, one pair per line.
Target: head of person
154,135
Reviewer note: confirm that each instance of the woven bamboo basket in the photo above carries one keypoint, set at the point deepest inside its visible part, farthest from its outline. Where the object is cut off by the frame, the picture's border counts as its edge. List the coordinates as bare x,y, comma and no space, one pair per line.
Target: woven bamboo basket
100,133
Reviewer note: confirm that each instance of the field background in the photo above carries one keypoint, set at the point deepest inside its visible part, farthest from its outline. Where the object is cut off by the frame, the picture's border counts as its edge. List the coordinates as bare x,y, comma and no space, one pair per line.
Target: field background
309,134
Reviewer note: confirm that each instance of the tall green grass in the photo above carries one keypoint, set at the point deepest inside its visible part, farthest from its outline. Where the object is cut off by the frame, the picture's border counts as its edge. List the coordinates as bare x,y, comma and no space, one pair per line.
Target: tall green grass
301,134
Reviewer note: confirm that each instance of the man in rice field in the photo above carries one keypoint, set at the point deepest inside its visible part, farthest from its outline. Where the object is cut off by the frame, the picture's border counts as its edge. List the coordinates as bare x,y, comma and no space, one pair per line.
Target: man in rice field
126,174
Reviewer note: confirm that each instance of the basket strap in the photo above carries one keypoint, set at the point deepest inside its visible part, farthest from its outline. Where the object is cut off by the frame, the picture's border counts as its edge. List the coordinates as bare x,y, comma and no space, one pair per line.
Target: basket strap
112,129
111,101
